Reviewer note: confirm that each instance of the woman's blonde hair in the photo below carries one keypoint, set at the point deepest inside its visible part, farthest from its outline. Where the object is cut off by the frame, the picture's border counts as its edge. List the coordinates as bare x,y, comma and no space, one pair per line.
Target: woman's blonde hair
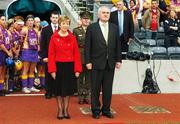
64,18
169,14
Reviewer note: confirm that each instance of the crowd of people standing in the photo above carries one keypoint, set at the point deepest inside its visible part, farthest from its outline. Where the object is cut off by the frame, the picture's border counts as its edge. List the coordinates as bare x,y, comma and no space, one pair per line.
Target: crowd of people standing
83,60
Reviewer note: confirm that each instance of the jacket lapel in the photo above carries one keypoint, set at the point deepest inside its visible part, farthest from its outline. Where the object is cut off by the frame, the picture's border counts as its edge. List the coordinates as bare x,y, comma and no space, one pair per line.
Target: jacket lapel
109,33
51,30
100,33
125,19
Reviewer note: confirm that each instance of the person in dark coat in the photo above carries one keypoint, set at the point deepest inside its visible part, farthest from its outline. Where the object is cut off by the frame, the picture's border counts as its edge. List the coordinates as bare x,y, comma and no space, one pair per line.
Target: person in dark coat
123,19
102,56
172,29
46,34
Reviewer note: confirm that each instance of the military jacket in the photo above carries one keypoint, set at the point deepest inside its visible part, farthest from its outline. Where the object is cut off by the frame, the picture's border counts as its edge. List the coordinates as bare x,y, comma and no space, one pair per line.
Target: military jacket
80,33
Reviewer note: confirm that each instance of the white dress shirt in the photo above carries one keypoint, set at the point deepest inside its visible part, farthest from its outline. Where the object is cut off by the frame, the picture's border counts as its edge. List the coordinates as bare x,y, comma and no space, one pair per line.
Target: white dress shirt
105,30
53,27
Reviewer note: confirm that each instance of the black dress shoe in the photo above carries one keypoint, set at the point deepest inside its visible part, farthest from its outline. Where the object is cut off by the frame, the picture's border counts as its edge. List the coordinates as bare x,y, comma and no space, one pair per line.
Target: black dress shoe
96,116
108,115
2,93
48,96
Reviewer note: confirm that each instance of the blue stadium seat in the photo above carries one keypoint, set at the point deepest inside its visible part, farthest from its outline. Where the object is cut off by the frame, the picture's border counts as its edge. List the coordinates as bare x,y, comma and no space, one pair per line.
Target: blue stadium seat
161,29
174,53
140,35
159,53
151,42
160,42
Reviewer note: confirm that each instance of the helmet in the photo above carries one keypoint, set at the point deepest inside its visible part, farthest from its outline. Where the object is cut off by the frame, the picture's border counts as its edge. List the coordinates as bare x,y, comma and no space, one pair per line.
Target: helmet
18,65
9,62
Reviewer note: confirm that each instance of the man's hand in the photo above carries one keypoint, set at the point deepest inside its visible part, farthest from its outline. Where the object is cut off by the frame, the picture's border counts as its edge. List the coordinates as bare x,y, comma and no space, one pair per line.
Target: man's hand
77,74
45,60
118,65
53,75
89,66
129,41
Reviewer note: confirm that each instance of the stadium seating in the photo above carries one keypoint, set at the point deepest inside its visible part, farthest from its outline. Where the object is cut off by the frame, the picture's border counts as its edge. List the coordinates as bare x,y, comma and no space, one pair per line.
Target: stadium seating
159,53
160,42
174,53
151,42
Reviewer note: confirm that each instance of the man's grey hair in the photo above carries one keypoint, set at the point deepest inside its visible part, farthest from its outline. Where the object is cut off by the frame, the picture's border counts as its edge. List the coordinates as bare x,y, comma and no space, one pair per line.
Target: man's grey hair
102,7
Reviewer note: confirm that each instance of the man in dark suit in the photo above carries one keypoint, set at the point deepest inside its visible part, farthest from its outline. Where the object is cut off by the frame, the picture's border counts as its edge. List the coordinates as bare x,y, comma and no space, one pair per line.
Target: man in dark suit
45,38
102,55
123,19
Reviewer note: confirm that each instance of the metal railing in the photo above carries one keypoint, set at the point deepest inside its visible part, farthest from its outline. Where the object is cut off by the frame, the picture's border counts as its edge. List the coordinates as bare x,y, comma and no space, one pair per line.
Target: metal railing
74,6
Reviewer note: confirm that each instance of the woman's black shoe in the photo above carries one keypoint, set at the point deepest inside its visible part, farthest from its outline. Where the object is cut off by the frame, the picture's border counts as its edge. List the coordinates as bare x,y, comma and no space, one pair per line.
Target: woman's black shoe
67,117
60,117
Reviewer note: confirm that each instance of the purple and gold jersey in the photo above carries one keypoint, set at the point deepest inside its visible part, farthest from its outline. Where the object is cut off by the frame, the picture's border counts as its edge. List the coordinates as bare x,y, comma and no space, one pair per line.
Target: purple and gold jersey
16,39
5,38
31,40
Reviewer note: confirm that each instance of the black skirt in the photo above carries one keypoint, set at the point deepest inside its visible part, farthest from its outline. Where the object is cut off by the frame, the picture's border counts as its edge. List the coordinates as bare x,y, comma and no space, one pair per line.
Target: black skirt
65,83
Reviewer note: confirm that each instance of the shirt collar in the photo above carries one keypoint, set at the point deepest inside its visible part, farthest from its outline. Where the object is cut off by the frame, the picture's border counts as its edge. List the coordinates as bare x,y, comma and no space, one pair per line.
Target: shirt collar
52,25
120,12
102,23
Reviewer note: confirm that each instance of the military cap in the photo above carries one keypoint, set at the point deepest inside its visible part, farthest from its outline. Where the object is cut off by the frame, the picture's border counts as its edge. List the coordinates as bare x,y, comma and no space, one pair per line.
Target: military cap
85,14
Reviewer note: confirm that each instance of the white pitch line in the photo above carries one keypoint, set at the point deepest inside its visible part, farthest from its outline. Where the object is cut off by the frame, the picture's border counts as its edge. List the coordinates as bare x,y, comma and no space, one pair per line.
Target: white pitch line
24,95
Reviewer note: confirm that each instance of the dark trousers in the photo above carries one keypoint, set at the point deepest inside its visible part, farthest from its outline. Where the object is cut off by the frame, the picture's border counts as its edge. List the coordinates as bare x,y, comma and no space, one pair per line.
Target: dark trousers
48,81
101,80
171,41
124,46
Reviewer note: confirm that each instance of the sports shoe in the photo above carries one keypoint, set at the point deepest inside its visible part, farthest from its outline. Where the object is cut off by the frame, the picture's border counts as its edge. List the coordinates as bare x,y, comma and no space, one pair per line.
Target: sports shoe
34,89
26,90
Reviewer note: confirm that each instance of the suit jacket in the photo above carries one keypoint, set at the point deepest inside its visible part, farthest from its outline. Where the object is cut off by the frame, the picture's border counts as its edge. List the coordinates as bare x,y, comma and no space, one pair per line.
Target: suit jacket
128,29
97,51
46,34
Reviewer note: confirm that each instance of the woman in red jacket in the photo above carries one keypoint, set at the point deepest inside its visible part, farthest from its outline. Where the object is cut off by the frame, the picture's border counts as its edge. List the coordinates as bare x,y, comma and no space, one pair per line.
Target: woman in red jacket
64,64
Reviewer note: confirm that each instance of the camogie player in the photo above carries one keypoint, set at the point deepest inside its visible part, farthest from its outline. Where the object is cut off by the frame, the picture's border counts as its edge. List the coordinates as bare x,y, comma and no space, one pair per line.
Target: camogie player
5,51
29,55
15,26
40,64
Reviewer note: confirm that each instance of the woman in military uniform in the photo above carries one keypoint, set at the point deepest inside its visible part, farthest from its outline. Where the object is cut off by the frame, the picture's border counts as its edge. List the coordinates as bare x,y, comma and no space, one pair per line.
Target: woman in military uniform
83,83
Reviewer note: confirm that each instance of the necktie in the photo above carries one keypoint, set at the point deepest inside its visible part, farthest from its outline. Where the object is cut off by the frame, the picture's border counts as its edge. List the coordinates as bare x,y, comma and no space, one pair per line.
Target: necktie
120,21
105,32
55,28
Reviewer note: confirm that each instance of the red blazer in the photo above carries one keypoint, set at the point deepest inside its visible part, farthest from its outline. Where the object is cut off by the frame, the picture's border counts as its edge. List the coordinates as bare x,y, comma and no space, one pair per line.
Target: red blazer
63,49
